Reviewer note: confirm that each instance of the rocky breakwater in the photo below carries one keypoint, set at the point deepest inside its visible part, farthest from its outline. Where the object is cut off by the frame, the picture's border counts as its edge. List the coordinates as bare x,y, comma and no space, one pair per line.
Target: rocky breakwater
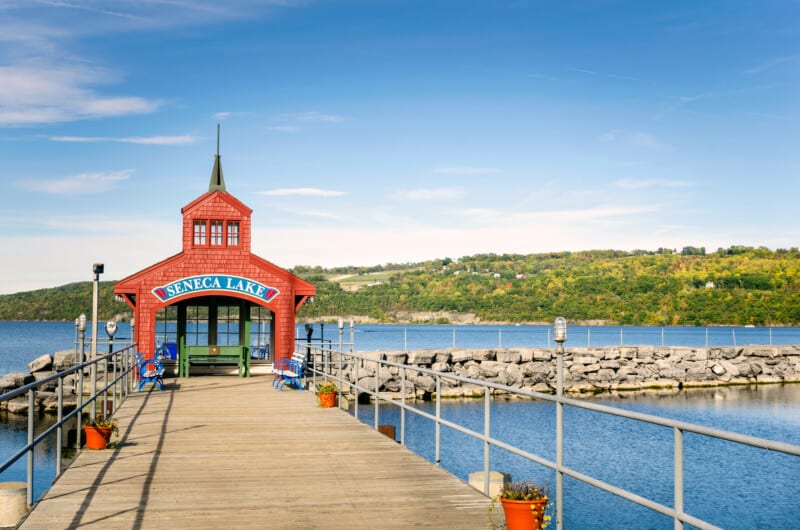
586,370
46,398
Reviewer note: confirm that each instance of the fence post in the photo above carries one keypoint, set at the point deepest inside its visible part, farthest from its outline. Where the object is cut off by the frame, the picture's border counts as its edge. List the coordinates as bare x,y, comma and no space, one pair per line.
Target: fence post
403,408
439,418
31,405
487,401
678,478
60,430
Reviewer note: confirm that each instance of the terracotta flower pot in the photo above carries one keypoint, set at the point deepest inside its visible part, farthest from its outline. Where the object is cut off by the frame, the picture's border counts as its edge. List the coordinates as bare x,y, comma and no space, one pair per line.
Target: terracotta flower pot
97,437
524,515
327,399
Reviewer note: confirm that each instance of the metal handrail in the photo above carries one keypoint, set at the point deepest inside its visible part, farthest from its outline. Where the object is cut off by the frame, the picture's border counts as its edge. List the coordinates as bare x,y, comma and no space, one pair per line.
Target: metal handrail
119,385
333,361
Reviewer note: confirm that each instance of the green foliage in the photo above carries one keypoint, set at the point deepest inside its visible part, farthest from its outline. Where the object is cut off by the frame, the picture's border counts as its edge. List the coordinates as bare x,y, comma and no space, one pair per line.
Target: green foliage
62,303
735,286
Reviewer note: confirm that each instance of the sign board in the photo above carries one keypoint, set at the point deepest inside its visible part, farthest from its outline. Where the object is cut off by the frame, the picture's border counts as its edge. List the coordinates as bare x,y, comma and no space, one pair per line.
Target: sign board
203,284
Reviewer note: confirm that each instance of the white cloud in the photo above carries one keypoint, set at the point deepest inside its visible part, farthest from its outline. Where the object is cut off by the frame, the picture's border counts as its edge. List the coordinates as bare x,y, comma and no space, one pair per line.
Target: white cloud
304,192
609,136
285,128
54,94
427,194
637,184
185,139
82,184
772,63
466,170
318,117
643,139
637,138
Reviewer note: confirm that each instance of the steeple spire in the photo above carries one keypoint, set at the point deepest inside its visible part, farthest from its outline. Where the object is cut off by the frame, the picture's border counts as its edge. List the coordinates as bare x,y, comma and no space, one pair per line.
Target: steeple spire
217,178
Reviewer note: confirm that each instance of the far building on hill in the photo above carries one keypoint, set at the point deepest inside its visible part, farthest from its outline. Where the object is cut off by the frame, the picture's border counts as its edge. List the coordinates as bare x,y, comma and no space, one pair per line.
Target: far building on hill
215,296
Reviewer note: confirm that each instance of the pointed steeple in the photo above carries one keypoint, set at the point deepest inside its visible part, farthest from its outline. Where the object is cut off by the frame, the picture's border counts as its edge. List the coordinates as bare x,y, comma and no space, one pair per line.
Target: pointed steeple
217,178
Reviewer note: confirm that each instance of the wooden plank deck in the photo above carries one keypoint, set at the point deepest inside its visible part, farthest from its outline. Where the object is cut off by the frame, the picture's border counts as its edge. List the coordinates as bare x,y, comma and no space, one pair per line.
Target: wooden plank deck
226,452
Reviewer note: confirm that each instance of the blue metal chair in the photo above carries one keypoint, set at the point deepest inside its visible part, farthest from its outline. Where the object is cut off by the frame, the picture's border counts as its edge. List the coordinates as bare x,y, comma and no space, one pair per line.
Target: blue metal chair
289,371
150,371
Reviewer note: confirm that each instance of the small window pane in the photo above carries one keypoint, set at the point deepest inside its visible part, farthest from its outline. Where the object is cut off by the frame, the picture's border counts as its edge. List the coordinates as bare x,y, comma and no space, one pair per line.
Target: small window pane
216,233
233,233
199,232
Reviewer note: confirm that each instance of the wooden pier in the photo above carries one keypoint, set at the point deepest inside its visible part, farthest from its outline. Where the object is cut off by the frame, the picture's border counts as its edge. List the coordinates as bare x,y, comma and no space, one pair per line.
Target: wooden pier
221,451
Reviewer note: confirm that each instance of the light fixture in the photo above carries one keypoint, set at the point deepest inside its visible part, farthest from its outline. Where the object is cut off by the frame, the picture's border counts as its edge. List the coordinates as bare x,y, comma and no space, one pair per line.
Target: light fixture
560,330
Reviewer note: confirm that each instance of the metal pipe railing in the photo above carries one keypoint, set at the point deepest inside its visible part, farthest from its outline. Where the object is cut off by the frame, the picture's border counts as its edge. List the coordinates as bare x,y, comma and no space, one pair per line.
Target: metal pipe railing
120,357
679,428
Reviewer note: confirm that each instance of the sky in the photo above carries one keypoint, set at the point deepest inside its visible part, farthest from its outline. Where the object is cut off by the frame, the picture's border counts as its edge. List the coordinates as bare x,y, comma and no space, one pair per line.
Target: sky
366,132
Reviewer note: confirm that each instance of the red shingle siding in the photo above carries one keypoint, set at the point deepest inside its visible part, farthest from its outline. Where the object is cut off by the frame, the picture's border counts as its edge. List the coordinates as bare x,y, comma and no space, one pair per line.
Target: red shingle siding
234,260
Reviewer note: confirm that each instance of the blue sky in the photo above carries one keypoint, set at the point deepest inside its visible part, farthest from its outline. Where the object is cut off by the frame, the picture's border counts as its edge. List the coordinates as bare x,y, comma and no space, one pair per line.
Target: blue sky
367,132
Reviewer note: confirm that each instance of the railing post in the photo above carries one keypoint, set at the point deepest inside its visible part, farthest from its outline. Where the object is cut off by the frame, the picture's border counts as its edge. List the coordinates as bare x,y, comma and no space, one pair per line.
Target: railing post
79,416
377,400
105,385
60,430
340,375
403,407
31,405
678,478
439,419
487,401
356,362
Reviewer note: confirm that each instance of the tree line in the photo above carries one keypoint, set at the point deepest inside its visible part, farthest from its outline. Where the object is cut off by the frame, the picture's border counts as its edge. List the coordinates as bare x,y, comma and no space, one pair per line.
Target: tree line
734,286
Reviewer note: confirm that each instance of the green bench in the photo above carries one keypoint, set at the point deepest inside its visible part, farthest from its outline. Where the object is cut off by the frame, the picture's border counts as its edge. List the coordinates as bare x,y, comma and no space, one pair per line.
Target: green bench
214,355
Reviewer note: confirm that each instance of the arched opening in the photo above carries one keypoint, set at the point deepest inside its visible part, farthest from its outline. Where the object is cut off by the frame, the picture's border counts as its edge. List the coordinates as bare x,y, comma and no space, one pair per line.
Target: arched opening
222,321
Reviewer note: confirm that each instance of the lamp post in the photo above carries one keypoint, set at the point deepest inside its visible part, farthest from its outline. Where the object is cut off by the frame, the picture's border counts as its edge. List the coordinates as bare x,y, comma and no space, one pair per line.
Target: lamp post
111,330
80,323
560,336
97,270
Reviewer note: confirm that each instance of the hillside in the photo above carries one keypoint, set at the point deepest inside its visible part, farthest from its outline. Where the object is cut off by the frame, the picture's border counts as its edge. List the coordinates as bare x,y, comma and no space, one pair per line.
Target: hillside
737,286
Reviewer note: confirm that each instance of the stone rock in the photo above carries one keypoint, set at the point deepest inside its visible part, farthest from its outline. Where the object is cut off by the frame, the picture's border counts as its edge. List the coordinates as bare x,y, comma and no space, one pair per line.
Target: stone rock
425,383
421,357
370,365
460,356
698,372
508,356
43,362
63,359
526,355
439,366
542,355
396,357
442,357
765,351
18,405
39,376
584,359
483,355
491,369
8,382
474,371
514,373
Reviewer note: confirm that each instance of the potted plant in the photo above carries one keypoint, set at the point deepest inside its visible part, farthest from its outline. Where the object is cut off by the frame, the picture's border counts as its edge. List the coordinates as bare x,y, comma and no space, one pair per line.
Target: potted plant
524,504
327,394
98,433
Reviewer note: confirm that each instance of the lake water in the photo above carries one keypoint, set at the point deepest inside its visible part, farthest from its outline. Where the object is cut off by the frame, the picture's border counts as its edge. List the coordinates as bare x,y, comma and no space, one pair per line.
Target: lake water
728,485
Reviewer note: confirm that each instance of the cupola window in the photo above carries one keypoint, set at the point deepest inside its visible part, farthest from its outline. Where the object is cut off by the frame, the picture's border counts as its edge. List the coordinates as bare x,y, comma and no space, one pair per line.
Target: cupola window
199,233
233,233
